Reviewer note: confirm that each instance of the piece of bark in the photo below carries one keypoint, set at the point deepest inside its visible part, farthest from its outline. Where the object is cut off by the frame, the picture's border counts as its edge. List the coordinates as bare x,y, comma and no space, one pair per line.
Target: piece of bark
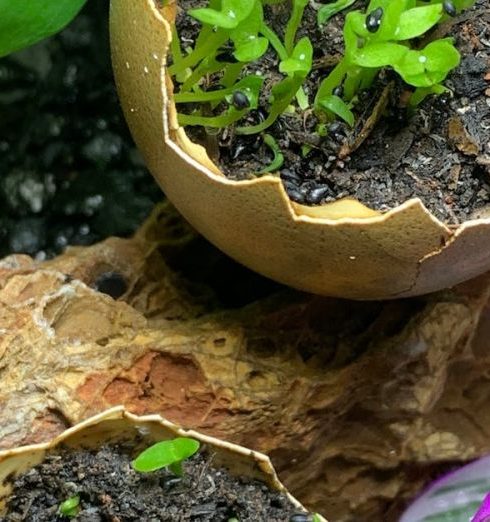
358,404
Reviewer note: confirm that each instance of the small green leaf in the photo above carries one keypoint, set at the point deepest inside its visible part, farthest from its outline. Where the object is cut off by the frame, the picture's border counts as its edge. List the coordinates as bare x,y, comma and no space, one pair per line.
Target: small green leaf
251,50
248,45
70,507
25,22
338,106
390,21
354,29
231,14
417,21
430,65
380,54
328,10
374,4
301,59
441,55
164,453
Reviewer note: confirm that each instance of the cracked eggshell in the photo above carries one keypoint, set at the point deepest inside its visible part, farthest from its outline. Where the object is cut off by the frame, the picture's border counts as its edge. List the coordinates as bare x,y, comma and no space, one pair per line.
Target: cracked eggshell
342,249
117,425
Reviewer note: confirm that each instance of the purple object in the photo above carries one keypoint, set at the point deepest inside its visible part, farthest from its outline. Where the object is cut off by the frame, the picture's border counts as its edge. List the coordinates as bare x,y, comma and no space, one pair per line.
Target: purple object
483,514
455,497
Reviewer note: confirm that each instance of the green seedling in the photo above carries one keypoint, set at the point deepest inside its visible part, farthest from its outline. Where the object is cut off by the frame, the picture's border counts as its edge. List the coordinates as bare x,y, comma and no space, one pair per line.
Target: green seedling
70,507
328,10
168,453
293,24
278,157
381,38
249,89
25,23
297,67
211,80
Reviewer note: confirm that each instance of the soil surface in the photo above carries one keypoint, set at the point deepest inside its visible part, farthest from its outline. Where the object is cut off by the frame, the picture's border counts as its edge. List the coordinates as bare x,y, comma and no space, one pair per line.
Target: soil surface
110,490
441,153
69,171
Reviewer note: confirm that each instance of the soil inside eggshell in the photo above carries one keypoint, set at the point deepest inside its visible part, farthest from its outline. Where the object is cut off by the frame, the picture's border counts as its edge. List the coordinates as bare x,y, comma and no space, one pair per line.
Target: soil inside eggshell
110,490
441,153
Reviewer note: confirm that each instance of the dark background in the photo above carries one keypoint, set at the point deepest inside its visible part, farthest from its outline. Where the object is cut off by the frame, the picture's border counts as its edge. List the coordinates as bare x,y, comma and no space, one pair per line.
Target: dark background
69,172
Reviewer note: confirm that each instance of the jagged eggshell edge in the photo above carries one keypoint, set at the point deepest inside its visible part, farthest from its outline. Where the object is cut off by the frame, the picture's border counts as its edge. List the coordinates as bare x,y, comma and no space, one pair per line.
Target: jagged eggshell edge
342,249
117,424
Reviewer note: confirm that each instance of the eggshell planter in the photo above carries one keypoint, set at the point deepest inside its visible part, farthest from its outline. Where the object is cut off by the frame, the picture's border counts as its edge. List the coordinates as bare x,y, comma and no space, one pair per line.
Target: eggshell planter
342,249
117,425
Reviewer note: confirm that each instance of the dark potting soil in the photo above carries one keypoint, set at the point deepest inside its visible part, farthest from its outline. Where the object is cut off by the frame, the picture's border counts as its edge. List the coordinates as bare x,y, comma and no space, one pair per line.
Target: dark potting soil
69,171
111,491
441,153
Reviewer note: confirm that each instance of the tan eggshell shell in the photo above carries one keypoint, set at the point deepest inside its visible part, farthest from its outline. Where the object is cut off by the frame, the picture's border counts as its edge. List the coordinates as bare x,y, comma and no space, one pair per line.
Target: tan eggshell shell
116,425
342,249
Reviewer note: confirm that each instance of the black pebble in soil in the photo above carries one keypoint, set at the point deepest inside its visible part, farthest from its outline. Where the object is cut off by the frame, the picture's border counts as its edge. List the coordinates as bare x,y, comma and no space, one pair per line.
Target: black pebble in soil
109,489
69,172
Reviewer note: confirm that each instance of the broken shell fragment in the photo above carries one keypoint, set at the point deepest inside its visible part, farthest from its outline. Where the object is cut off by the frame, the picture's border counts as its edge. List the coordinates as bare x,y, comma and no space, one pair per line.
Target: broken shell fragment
117,425
342,249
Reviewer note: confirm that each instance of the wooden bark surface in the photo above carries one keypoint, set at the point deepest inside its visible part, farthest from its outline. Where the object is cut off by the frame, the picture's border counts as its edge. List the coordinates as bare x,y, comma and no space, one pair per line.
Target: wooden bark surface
358,404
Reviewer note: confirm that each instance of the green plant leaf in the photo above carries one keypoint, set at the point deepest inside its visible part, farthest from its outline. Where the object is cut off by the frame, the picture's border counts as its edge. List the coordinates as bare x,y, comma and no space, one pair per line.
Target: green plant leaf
25,22
251,50
417,21
441,55
231,14
390,21
338,106
164,453
428,66
328,10
70,507
251,85
301,59
380,54
248,45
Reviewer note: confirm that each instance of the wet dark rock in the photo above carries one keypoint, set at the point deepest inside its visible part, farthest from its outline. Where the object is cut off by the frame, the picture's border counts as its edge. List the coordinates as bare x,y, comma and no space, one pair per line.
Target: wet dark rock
296,196
67,156
316,195
291,176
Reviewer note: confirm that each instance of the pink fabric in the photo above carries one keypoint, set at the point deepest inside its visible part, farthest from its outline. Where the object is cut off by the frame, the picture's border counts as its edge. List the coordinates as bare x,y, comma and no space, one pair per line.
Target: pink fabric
483,514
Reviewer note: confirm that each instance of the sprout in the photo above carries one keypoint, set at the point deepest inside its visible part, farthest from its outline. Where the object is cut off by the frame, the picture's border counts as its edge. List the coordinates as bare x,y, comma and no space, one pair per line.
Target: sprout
235,34
381,39
70,507
168,453
278,157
